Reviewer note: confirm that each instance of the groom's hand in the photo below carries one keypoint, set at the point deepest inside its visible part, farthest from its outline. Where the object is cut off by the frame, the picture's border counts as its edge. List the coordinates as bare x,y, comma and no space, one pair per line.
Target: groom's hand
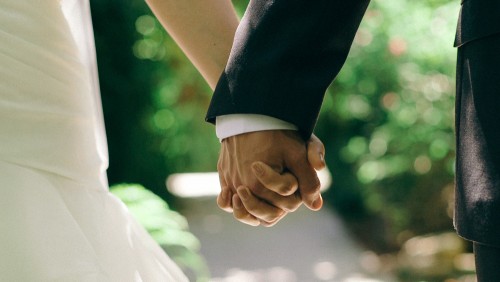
261,194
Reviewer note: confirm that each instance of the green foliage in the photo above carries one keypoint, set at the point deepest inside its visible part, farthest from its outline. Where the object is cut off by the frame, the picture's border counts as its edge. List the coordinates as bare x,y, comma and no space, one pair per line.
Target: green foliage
387,120
126,84
154,100
167,227
179,100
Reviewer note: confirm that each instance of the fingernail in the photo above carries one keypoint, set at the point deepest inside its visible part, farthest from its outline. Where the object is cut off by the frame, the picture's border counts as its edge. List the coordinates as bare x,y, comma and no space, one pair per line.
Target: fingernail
317,203
244,193
258,169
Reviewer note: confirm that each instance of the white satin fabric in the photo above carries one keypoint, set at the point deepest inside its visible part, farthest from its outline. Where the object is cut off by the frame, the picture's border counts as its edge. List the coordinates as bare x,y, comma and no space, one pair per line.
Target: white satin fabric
58,222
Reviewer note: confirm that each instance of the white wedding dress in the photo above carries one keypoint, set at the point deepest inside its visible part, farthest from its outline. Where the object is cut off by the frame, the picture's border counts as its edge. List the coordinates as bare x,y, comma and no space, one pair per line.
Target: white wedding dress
58,222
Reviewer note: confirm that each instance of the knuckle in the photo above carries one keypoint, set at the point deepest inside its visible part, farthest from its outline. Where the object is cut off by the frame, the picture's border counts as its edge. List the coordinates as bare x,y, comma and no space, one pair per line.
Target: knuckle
273,216
273,222
250,207
288,188
219,203
295,155
260,171
291,203
316,185
321,165
257,190
313,186
239,216
293,206
285,190
224,207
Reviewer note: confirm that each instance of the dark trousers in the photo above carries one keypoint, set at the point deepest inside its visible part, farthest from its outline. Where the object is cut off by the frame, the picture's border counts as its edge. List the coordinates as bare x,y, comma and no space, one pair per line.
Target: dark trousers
487,263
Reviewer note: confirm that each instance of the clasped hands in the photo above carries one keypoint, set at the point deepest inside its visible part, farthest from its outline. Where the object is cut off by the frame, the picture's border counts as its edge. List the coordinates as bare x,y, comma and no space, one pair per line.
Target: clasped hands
265,175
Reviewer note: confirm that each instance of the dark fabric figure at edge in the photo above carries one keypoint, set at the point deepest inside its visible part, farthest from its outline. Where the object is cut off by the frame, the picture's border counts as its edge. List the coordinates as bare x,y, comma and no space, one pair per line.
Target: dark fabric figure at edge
287,52
477,203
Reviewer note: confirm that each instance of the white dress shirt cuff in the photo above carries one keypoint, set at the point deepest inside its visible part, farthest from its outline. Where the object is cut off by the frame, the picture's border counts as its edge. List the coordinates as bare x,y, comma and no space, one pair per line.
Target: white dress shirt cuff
231,125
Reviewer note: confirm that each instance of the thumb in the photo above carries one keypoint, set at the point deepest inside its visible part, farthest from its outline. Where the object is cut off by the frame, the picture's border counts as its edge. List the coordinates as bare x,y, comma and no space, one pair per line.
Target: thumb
309,184
316,153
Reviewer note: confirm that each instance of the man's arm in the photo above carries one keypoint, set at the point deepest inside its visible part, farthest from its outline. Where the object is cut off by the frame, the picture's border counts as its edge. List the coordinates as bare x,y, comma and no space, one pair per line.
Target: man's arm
284,56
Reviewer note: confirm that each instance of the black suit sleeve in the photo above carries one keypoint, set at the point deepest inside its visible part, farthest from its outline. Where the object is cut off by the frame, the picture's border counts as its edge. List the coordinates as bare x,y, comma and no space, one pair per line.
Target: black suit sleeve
284,56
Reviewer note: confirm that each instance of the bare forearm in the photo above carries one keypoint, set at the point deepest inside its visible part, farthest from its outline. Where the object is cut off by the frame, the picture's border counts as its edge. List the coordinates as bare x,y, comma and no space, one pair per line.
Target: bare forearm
204,29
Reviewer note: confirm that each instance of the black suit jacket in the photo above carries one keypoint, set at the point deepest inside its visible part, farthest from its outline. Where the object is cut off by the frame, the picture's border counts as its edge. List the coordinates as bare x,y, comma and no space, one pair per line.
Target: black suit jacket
284,56
477,197
478,19
287,52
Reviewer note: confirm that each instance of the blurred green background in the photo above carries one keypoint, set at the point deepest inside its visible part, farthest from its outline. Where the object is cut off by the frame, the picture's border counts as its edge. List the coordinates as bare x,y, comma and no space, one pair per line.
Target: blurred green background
386,122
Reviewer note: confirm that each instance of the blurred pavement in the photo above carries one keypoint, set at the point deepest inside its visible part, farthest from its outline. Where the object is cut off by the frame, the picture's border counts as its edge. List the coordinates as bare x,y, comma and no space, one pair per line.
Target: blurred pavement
306,246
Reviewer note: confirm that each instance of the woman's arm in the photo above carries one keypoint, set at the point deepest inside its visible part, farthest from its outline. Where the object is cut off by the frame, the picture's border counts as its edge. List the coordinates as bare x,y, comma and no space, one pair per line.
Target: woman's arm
204,29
